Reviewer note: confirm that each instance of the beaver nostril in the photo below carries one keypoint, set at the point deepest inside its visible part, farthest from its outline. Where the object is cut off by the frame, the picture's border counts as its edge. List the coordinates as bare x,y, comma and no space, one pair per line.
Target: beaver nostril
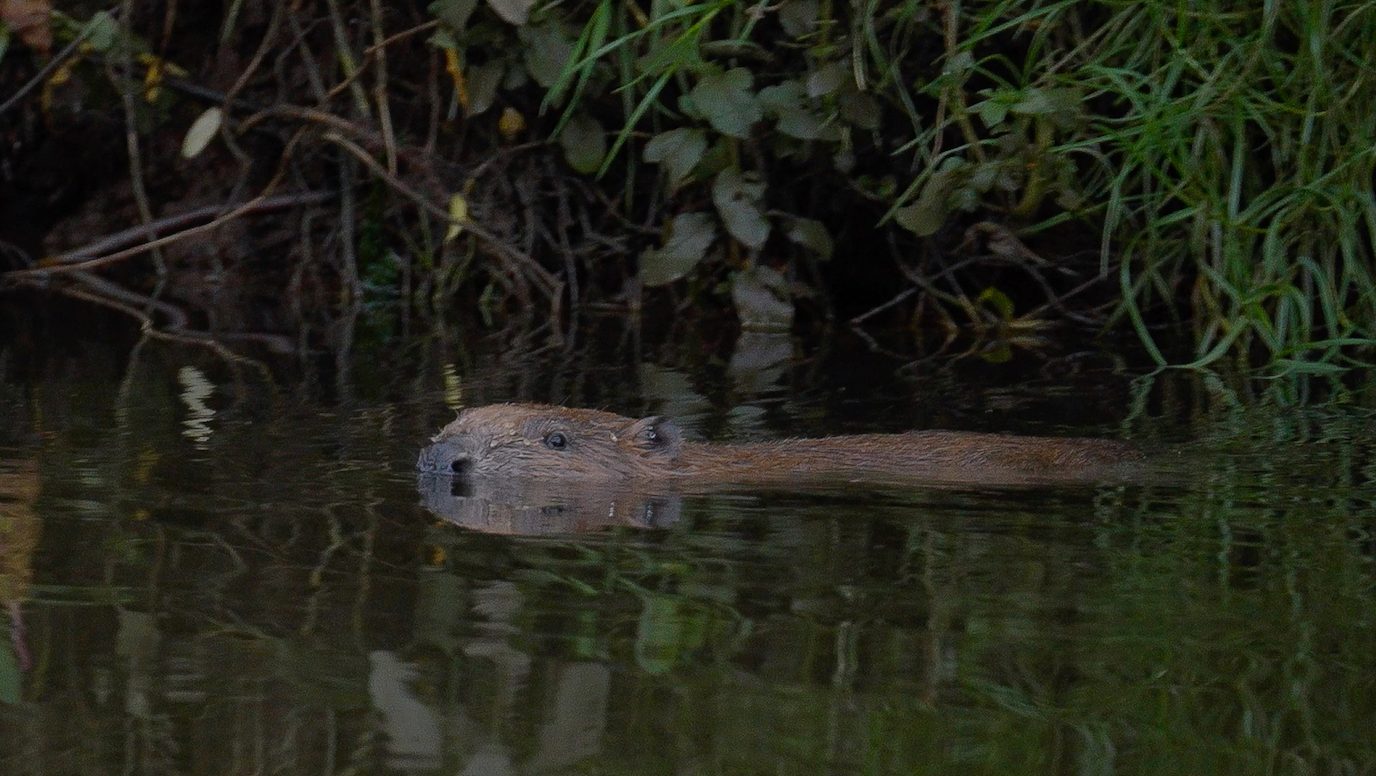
459,466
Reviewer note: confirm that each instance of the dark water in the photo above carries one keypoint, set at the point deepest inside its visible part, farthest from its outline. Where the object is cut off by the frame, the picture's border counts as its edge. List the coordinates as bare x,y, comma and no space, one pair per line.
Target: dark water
210,568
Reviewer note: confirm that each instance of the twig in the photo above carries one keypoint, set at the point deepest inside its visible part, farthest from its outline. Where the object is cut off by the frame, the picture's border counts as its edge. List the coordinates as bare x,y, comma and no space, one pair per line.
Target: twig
430,25
85,257
264,46
131,139
384,109
861,318
540,273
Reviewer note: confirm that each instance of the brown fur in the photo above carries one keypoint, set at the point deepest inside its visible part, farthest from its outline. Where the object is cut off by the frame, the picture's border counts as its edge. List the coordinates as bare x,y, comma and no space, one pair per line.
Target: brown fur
522,441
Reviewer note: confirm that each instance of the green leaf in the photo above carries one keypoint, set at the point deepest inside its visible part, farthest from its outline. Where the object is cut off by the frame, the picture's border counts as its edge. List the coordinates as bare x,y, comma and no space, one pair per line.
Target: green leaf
679,53
790,105
998,301
579,66
584,142
727,103
1062,103
645,102
103,31
959,64
810,234
740,204
679,150
515,12
926,215
454,13
860,109
985,175
1034,102
798,17
922,218
482,85
991,112
690,235
546,50
827,79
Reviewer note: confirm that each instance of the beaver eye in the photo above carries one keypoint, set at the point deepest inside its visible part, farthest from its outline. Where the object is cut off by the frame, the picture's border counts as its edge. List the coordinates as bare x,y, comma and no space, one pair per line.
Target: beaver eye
651,435
556,440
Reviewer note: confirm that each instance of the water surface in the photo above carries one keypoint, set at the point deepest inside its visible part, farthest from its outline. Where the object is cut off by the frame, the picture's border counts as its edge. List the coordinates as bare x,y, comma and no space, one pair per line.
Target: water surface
205,570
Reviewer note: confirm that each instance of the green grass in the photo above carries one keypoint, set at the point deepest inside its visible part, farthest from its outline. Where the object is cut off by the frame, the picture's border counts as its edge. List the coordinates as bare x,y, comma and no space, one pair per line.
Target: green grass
1226,152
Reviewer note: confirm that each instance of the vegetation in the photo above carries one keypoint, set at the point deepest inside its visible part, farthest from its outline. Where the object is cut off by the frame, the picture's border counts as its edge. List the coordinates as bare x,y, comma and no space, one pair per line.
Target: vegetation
989,167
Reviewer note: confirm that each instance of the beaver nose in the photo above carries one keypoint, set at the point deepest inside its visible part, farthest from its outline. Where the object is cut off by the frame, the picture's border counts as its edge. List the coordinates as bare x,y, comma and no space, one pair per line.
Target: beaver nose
444,458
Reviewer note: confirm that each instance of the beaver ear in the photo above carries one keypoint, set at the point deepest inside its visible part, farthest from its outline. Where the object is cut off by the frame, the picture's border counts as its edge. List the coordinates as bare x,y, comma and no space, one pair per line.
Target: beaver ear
655,435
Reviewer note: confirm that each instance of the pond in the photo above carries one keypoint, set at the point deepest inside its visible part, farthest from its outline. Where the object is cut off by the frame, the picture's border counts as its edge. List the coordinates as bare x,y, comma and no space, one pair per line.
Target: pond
218,565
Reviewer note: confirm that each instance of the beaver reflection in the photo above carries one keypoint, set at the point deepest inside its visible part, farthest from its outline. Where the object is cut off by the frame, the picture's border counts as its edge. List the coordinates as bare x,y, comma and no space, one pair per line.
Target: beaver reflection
542,443
534,508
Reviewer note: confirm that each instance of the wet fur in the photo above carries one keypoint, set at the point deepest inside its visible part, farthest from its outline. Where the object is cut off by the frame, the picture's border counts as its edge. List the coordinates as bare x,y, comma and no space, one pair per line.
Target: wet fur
516,441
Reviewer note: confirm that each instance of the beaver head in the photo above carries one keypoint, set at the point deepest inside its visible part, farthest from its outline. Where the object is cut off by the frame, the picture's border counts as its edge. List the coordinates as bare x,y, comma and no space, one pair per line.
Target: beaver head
548,442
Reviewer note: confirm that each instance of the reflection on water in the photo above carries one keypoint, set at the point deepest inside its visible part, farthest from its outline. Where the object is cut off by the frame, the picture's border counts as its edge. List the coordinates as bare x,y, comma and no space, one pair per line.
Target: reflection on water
195,390
266,595
544,508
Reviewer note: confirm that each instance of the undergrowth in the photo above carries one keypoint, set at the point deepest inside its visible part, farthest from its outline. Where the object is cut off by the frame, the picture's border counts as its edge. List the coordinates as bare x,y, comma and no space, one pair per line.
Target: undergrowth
993,167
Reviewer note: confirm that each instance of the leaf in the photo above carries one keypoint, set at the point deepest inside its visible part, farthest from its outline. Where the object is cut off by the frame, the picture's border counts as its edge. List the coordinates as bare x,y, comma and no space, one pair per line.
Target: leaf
202,131
102,31
679,151
992,112
690,235
790,104
762,299
546,50
922,218
584,142
515,12
511,123
454,13
482,86
798,17
962,62
926,215
810,234
739,202
998,301
860,109
458,214
1064,104
826,79
985,175
727,103
679,53
1034,102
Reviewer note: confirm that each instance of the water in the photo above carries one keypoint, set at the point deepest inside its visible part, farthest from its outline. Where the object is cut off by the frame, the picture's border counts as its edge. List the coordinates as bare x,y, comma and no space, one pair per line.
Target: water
207,571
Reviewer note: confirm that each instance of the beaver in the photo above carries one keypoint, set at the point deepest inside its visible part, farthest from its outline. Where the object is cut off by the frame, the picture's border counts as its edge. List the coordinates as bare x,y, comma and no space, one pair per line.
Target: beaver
551,443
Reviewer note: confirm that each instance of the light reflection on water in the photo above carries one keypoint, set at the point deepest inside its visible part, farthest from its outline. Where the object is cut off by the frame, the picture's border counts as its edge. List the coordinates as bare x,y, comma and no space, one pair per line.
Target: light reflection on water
283,595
